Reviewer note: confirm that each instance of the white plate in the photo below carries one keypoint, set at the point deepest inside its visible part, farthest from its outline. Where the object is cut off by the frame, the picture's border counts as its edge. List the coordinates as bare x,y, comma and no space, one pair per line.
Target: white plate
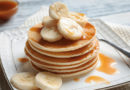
12,47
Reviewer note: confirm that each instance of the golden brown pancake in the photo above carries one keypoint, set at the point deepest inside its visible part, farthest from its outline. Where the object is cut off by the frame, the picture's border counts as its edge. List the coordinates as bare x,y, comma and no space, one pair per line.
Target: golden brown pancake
61,61
67,58
62,45
65,69
66,54
70,74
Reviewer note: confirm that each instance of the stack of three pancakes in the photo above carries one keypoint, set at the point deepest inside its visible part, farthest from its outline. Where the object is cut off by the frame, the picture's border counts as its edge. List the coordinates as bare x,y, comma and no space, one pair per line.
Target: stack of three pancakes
65,57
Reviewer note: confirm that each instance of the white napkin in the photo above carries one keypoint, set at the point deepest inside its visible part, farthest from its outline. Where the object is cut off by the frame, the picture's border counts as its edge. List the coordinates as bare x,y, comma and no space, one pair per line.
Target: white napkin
122,30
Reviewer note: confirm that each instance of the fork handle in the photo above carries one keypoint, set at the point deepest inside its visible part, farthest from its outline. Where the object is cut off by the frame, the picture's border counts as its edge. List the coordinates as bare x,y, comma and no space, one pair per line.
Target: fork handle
126,53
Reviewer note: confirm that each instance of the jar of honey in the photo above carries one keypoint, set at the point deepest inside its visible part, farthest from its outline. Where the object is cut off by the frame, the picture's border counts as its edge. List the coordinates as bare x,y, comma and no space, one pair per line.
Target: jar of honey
7,9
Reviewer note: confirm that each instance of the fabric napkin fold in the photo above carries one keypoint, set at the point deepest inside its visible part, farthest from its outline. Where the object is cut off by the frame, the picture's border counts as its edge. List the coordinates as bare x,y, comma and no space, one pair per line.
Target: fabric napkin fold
122,30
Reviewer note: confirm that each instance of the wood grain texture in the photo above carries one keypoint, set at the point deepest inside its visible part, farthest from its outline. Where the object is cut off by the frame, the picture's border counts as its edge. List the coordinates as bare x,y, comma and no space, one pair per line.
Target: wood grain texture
93,8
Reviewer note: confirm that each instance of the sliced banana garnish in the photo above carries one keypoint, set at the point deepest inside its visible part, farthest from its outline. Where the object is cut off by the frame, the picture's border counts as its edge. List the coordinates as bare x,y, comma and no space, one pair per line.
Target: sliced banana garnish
49,22
80,18
58,10
24,81
50,34
70,29
48,81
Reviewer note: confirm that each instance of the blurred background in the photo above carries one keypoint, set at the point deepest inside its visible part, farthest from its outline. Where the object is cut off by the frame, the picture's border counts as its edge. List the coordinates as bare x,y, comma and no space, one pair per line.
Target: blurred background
92,8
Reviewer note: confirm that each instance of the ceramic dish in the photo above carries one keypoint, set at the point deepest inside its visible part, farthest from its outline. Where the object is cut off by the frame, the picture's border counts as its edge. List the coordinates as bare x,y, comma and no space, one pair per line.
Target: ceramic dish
12,47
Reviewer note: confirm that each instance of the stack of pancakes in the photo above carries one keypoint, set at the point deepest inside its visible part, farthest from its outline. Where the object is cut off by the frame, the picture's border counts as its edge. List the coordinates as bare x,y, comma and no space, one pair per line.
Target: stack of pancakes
65,57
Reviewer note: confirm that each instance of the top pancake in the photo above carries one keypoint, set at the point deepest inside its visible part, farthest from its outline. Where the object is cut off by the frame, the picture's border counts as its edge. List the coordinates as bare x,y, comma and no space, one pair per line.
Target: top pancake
67,54
62,45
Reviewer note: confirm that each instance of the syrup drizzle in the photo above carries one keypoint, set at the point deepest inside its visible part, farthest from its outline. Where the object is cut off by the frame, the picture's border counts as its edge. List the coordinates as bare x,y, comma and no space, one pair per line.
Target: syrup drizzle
76,79
106,65
96,79
23,60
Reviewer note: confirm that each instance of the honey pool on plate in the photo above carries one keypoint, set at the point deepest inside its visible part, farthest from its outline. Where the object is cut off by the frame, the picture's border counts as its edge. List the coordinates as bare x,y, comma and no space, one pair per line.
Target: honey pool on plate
106,64
23,60
76,79
96,79
105,67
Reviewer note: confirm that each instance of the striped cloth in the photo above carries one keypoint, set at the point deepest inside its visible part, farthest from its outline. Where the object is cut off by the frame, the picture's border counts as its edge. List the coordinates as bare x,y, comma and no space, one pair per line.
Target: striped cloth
122,30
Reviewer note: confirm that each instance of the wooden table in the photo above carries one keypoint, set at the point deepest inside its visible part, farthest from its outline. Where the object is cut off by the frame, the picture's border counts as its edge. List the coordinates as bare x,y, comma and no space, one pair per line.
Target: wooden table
116,11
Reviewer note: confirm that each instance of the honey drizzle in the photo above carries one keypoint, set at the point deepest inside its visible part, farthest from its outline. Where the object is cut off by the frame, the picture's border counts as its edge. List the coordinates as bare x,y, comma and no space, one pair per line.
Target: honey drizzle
106,63
23,60
96,79
76,79
36,28
89,32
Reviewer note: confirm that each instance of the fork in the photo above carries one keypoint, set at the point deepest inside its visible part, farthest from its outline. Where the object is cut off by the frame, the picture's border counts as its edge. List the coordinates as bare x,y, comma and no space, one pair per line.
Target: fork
126,53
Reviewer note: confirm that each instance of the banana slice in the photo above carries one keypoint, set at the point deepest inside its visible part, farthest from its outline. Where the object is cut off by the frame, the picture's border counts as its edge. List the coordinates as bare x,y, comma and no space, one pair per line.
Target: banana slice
50,34
24,81
58,10
49,22
80,18
48,81
70,29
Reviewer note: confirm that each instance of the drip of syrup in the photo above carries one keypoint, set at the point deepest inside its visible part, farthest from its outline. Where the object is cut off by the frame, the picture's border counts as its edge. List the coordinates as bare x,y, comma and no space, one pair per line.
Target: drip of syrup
96,79
106,65
37,28
23,60
76,79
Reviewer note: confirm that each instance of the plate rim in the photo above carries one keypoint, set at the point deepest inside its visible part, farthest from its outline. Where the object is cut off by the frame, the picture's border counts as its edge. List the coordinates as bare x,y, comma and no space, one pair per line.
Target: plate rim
107,87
